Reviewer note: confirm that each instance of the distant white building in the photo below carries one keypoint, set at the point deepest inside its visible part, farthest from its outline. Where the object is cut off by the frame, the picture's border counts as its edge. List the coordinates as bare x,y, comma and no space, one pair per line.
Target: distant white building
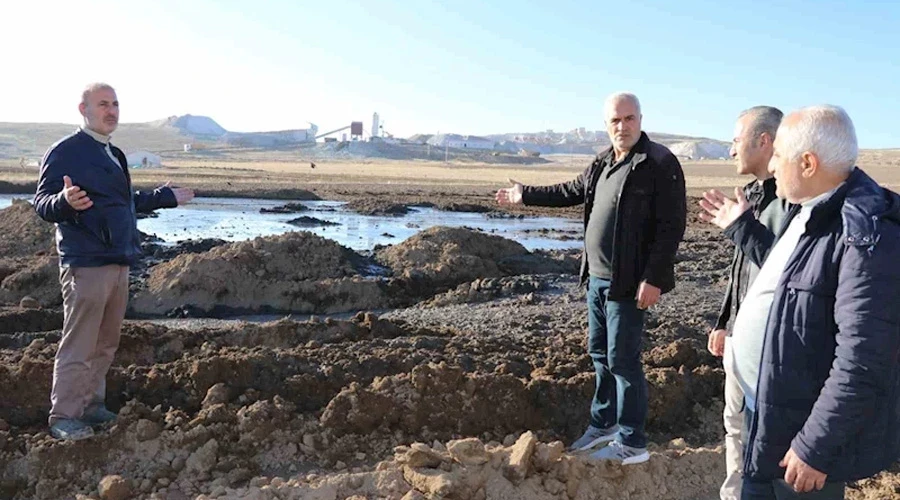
461,141
143,159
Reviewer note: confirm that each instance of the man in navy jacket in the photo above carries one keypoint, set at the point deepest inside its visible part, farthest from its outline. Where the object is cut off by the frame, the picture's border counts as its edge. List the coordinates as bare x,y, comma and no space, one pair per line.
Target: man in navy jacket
825,408
85,188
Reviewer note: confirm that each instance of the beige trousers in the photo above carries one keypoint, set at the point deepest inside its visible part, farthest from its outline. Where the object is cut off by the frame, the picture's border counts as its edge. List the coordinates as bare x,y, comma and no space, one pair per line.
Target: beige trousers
734,420
94,302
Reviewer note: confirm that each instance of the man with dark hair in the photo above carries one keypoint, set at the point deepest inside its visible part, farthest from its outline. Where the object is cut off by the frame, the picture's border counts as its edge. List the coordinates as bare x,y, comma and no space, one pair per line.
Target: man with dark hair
751,147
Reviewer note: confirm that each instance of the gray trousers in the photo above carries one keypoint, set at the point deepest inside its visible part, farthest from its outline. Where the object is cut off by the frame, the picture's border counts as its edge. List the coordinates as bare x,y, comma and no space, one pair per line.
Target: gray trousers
734,422
94,303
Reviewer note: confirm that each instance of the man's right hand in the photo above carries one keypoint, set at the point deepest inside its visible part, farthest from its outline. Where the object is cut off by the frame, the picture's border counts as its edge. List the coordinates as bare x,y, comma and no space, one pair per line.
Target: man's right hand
716,343
182,195
75,196
511,195
722,211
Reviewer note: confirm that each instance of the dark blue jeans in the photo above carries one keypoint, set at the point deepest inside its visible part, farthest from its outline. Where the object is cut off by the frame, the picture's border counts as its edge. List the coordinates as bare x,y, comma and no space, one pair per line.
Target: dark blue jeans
779,489
615,330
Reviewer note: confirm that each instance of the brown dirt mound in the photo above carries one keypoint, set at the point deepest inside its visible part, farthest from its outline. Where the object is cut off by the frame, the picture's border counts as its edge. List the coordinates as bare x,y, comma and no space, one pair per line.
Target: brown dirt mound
488,289
447,400
293,272
16,319
28,266
239,411
372,206
317,409
444,256
35,277
288,208
232,450
23,233
526,469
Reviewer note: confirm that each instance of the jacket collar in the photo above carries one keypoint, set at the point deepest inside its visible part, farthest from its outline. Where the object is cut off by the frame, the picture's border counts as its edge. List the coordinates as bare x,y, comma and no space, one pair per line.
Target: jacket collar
861,204
102,139
640,149
756,191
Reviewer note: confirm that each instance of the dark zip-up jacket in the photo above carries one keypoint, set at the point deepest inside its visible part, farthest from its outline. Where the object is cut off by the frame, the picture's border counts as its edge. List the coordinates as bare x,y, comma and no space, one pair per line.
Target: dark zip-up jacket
107,232
650,217
829,379
771,212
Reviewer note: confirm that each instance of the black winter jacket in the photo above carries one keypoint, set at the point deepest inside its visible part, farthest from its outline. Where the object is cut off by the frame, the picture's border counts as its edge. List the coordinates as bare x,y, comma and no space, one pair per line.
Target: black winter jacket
650,219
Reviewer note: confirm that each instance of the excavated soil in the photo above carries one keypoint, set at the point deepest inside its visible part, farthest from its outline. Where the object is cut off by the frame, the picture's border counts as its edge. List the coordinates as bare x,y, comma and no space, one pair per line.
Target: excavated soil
295,271
466,387
28,261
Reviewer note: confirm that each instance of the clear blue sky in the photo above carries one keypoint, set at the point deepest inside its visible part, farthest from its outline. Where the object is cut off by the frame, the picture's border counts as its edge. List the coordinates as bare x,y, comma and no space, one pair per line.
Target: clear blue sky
456,66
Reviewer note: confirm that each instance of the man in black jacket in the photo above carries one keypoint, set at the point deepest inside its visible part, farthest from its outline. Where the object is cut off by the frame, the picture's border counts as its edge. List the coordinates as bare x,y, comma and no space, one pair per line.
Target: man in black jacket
751,148
85,188
634,219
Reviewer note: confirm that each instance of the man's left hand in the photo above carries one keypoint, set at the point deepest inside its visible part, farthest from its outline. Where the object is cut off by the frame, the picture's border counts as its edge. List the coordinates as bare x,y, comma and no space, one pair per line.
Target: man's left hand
721,210
800,476
182,195
647,295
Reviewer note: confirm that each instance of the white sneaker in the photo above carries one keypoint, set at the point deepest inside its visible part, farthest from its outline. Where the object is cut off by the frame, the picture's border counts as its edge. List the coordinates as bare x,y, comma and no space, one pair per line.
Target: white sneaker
594,436
620,453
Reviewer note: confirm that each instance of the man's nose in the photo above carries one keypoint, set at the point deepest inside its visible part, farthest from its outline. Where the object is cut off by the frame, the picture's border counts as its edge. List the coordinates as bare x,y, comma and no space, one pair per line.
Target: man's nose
732,151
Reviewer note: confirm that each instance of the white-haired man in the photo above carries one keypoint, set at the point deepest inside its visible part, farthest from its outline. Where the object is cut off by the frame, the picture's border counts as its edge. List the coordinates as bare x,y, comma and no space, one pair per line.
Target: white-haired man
634,218
85,188
824,407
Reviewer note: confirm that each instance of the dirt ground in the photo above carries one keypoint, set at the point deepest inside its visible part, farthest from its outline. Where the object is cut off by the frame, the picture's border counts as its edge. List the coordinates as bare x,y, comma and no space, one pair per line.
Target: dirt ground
457,369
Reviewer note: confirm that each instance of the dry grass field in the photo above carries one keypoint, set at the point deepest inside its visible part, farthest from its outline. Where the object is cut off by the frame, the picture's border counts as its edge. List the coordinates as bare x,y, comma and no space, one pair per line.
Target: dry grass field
257,177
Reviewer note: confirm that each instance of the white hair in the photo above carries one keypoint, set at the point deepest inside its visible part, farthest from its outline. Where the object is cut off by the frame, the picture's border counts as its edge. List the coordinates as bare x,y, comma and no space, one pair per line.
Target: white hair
823,130
613,99
93,87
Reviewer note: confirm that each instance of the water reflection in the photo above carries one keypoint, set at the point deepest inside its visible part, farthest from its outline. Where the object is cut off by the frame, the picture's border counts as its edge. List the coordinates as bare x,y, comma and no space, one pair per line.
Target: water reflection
237,219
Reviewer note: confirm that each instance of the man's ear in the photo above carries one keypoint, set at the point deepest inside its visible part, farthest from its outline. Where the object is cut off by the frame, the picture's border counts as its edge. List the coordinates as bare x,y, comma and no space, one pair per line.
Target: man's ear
82,108
809,164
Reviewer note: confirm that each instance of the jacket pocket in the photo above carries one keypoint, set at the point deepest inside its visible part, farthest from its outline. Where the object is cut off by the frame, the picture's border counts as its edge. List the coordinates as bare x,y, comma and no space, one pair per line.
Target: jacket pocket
811,339
110,226
812,306
91,223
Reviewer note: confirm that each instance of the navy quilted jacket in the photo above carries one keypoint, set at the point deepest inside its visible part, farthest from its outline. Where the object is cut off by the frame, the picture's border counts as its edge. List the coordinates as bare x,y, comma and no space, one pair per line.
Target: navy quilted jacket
829,382
107,232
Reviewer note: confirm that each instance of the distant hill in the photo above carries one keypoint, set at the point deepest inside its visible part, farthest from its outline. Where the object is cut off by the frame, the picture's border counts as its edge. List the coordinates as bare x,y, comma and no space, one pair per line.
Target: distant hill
583,141
701,148
31,140
167,135
194,126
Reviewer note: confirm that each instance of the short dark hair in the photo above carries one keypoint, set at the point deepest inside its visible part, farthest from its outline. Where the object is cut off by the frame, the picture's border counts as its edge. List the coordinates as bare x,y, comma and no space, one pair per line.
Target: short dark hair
764,119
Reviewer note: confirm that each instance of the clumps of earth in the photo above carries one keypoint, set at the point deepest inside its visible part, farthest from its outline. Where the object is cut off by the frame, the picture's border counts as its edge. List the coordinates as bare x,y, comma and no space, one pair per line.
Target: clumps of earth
465,384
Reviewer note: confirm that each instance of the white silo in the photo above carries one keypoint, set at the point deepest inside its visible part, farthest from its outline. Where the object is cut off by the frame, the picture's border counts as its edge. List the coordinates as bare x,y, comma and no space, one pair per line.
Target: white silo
375,125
